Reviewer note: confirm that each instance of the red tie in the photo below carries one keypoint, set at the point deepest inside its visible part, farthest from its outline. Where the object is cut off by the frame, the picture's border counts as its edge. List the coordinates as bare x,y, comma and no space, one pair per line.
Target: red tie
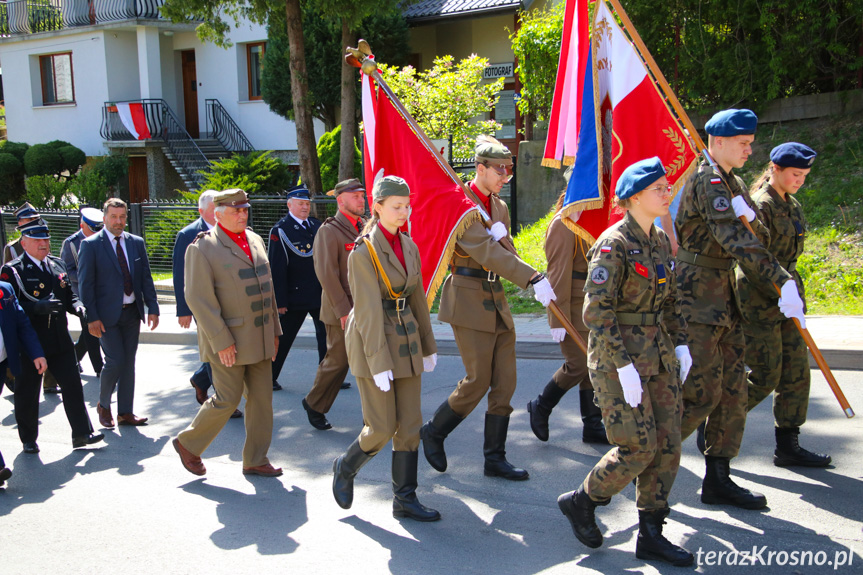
124,267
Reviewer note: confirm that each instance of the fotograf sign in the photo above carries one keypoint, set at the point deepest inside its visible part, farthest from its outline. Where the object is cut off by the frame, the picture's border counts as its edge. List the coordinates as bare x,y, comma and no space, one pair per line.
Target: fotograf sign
503,70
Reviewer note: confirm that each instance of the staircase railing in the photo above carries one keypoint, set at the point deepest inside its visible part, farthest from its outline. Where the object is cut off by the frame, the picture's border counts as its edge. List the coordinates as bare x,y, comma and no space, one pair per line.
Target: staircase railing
221,126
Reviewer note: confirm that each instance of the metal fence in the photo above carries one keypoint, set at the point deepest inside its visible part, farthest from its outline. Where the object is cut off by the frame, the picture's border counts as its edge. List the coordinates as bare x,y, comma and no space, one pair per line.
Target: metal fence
61,223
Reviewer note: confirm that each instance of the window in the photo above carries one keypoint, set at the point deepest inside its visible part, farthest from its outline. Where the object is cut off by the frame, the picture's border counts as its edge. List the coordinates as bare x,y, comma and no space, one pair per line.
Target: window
255,58
57,85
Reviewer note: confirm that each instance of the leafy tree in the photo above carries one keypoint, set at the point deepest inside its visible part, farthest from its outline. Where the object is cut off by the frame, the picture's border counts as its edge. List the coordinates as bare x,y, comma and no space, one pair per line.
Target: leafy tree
447,98
42,159
257,173
328,155
11,178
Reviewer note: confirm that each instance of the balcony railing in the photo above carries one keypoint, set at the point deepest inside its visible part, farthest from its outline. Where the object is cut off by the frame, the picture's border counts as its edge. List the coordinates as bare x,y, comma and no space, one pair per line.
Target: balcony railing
31,16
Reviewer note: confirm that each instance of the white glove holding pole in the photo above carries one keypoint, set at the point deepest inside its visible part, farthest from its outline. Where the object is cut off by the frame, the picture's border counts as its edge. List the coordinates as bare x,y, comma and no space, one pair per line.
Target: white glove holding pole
543,293
790,303
429,362
685,359
382,380
558,334
741,208
497,231
630,381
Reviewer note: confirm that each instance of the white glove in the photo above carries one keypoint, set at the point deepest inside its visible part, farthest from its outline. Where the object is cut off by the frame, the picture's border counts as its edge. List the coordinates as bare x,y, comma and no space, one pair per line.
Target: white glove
682,353
741,208
497,231
630,381
382,380
429,362
558,334
543,293
574,216
790,303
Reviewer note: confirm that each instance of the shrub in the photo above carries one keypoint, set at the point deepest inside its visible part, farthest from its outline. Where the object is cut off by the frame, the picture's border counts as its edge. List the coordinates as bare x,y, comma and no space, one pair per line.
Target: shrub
17,149
114,168
257,173
329,148
73,158
42,159
46,191
11,178
89,187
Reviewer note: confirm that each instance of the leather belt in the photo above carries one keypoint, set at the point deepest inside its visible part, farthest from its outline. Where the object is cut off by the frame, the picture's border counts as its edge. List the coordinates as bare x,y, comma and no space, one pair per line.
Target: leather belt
704,261
128,305
488,276
397,304
638,318
789,266
579,275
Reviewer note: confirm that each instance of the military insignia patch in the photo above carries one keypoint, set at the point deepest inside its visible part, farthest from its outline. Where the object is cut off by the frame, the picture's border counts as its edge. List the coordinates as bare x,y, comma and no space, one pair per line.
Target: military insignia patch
641,270
36,293
634,252
660,274
349,247
274,237
721,204
599,275
4,276
605,249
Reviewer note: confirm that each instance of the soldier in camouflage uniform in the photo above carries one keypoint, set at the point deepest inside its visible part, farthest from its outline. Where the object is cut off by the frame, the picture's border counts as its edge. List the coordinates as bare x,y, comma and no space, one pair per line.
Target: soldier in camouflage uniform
775,350
637,343
712,241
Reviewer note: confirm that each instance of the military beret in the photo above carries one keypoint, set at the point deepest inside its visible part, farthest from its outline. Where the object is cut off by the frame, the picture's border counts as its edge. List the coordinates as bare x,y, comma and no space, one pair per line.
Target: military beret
487,148
37,229
793,155
299,193
93,217
390,186
732,122
638,176
235,198
352,185
26,211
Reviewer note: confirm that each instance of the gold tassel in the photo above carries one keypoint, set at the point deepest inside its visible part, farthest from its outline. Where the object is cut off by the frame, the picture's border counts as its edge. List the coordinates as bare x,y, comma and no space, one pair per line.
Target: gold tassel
440,273
550,163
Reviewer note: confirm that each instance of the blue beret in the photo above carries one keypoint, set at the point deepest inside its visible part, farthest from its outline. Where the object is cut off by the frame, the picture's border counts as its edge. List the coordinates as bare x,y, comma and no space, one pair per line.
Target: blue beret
37,229
638,176
299,193
93,217
732,122
793,155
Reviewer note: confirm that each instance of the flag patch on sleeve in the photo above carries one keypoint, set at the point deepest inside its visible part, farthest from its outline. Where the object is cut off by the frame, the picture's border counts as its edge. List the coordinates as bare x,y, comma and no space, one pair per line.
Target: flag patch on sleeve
715,180
605,249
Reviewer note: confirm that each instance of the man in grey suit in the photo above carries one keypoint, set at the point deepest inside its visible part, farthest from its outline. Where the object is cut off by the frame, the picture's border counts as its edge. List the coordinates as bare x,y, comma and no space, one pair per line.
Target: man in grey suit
115,284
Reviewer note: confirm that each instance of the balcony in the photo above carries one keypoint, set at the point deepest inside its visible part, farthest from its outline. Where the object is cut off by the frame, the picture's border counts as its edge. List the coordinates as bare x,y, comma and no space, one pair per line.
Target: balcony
32,16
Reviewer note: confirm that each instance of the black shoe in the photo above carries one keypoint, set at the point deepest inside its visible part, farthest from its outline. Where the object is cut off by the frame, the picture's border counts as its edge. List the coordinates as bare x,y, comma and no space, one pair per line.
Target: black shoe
592,431
651,544
540,408
53,390
699,438
316,418
345,385
86,440
30,447
276,386
405,502
494,450
579,508
435,431
5,474
237,414
718,488
345,468
789,453
80,369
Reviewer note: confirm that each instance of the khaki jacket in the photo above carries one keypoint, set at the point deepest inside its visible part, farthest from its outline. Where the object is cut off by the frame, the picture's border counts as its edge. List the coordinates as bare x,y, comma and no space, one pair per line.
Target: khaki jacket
472,302
333,244
566,253
375,338
231,297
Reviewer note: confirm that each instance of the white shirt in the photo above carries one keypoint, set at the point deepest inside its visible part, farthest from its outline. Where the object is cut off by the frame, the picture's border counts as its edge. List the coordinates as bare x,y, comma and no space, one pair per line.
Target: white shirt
35,261
127,299
298,220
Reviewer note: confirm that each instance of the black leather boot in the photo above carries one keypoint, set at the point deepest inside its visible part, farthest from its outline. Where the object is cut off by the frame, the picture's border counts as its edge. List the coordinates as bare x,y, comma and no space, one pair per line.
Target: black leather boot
699,438
718,488
345,468
494,450
405,502
435,431
593,430
652,544
789,453
579,508
540,408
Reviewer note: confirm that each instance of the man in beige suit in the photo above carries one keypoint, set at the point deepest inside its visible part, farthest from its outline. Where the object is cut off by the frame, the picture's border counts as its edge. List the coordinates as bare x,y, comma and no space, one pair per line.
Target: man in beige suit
230,292
474,303
333,244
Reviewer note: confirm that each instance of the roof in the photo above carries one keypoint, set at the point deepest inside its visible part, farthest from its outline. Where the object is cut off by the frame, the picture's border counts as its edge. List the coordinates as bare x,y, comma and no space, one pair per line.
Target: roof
438,9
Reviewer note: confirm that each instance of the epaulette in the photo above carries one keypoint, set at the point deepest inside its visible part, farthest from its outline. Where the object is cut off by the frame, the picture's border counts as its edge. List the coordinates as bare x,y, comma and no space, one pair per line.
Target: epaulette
360,240
200,235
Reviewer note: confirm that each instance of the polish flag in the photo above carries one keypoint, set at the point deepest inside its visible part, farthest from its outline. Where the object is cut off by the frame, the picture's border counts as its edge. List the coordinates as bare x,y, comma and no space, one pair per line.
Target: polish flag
134,120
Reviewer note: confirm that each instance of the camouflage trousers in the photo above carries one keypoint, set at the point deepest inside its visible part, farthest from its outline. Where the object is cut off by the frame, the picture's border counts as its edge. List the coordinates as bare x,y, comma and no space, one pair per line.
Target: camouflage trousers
716,387
779,360
646,439
574,369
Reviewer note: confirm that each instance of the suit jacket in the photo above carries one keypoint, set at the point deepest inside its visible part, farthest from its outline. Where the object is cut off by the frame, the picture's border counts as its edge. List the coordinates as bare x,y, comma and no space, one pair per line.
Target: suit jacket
376,340
231,297
18,334
472,302
69,255
333,244
100,281
294,281
566,254
184,238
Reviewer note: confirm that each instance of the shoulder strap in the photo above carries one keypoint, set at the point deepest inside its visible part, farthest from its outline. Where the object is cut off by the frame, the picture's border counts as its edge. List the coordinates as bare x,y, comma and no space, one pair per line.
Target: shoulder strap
21,289
286,243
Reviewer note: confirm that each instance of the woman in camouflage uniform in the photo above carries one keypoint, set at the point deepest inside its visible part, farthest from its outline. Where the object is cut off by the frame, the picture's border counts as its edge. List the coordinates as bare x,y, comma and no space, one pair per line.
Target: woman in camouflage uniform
775,351
637,343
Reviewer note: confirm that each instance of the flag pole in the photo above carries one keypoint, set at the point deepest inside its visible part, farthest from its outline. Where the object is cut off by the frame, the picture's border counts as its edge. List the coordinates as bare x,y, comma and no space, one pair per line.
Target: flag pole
699,143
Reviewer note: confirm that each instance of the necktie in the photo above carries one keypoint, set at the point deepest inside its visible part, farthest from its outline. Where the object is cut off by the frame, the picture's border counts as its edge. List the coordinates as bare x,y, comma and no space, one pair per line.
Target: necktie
306,225
45,267
357,225
124,267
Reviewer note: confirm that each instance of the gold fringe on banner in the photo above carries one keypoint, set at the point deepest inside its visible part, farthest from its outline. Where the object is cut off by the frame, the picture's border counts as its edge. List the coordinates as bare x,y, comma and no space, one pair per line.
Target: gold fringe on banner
684,177
568,160
468,219
574,227
550,163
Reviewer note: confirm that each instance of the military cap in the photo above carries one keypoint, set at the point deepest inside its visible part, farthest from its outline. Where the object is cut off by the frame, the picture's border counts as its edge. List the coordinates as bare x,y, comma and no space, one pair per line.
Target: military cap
93,217
234,198
352,185
793,155
732,122
37,229
390,186
638,176
489,149
299,193
26,211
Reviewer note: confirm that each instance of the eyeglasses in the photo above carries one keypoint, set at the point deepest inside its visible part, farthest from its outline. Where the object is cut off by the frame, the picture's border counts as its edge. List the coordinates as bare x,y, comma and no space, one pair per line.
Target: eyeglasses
661,190
502,170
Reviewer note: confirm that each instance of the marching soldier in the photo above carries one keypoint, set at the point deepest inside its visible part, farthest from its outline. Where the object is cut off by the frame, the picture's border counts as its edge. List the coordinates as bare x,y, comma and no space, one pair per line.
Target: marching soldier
775,350
333,244
637,342
390,344
712,241
45,293
474,303
297,289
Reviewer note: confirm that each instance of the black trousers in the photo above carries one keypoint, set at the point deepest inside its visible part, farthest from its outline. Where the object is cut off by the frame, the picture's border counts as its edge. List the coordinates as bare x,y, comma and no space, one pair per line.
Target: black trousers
89,344
120,344
64,366
3,368
291,322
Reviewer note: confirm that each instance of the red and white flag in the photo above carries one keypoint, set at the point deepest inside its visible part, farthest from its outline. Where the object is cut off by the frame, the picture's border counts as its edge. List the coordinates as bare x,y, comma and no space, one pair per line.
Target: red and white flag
134,120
